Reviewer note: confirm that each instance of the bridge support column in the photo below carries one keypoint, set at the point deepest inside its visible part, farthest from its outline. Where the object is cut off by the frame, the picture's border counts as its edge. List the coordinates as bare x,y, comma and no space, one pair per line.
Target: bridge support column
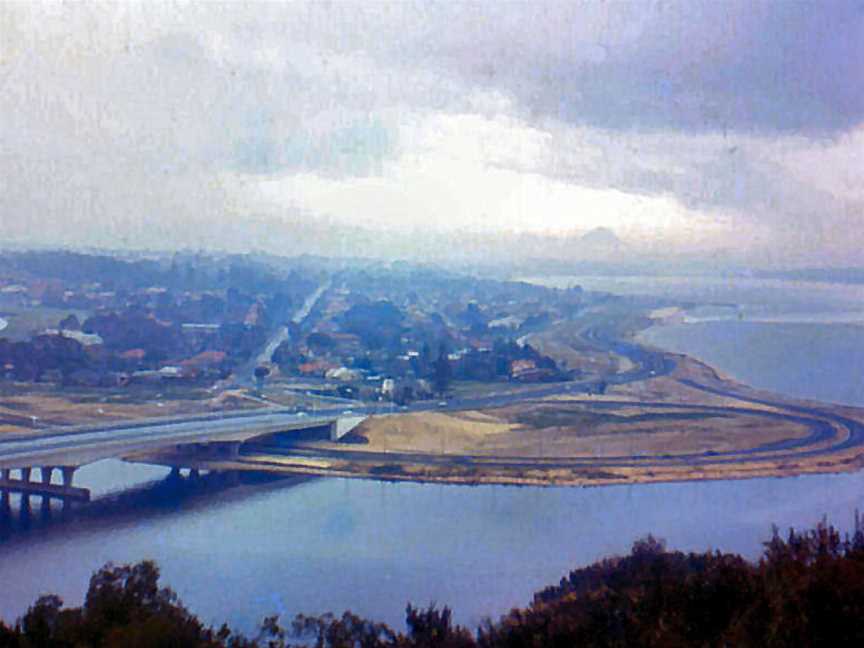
4,494
5,505
68,473
24,512
25,498
47,471
46,499
175,473
194,474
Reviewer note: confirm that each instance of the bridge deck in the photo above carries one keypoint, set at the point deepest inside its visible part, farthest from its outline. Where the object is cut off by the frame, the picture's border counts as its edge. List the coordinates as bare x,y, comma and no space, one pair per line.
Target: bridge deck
79,447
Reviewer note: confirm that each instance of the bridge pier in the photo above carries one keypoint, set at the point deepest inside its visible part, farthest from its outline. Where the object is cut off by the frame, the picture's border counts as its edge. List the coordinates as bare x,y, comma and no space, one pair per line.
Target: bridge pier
25,497
43,488
68,473
5,503
46,499
25,513
4,494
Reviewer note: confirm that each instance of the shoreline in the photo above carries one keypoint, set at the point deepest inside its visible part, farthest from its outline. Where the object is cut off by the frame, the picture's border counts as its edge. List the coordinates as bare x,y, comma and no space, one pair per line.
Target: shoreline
825,457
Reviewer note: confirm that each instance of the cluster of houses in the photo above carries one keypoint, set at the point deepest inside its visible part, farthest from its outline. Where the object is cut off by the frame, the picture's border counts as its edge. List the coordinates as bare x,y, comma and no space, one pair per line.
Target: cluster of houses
391,351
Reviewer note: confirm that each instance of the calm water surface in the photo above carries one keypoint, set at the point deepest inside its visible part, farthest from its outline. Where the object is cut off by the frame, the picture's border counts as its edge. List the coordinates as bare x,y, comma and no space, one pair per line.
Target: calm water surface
330,545
370,546
804,339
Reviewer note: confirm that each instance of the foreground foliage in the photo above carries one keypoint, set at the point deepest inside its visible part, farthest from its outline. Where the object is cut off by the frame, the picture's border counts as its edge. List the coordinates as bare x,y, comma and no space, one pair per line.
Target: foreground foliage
806,590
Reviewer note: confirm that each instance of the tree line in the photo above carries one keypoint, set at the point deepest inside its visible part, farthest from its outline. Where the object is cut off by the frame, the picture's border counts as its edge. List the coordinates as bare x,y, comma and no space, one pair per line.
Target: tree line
807,589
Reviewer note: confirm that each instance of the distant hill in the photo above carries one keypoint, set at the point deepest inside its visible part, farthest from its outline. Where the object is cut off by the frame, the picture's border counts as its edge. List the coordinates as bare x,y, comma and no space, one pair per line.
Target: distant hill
602,238
826,275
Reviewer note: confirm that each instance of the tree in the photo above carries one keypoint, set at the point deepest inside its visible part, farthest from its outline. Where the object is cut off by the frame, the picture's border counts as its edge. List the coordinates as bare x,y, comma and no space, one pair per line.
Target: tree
443,371
125,606
433,628
320,341
41,623
261,374
70,323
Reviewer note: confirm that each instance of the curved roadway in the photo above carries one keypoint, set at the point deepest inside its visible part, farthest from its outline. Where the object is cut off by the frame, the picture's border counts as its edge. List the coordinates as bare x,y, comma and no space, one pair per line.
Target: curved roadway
824,425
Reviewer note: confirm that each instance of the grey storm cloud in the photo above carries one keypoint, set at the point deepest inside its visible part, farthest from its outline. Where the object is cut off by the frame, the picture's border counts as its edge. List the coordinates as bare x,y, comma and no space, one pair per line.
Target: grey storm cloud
152,123
697,65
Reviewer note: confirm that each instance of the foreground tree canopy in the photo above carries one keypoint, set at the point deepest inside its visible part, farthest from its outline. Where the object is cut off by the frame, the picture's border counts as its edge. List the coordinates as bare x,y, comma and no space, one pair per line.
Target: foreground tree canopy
806,590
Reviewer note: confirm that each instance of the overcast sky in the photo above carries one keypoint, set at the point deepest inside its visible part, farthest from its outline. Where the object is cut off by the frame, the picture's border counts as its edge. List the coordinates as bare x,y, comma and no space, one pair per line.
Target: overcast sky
709,127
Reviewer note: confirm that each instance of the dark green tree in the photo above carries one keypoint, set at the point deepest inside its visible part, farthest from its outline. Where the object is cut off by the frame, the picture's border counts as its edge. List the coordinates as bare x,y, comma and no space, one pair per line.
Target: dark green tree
443,372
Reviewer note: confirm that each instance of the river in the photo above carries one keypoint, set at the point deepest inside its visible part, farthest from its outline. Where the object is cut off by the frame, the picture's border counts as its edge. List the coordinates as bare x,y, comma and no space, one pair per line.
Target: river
334,544
805,339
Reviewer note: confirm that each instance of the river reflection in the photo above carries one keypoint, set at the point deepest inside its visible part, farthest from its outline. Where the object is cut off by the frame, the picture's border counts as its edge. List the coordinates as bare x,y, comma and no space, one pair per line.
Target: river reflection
122,493
236,554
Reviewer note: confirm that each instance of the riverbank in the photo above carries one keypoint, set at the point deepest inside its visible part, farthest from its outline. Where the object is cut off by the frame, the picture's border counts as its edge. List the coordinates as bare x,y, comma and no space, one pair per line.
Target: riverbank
658,417
690,425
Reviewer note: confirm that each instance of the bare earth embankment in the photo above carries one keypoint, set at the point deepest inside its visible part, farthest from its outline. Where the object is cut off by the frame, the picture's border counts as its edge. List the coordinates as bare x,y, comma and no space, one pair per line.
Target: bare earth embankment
688,424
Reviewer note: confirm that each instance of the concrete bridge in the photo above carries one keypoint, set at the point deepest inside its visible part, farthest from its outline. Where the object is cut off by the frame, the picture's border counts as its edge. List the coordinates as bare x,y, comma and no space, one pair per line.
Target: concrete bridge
67,449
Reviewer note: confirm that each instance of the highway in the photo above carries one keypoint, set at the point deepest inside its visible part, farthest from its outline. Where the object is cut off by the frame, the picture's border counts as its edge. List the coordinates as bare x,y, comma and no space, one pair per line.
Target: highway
77,447
243,376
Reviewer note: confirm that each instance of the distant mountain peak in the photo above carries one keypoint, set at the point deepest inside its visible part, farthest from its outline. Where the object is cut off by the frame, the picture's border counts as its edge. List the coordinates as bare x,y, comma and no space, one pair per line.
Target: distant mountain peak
601,237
